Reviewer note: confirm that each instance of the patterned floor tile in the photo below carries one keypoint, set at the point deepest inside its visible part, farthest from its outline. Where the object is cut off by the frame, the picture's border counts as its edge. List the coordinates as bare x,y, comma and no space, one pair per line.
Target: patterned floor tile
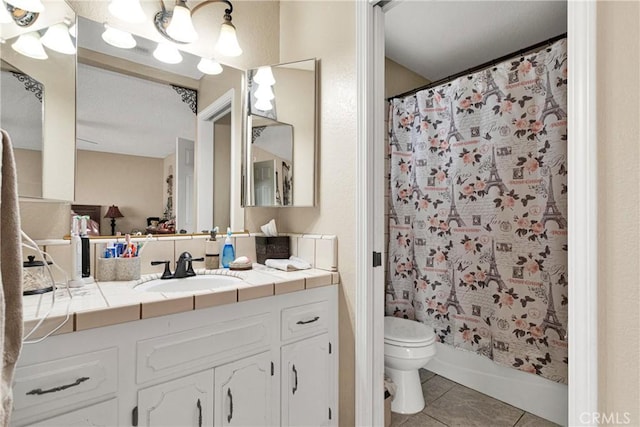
461,406
435,387
530,420
398,419
422,420
425,375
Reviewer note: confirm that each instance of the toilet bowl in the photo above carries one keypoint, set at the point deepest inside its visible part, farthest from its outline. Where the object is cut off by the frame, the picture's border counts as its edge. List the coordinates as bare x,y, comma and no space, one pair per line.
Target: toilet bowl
408,346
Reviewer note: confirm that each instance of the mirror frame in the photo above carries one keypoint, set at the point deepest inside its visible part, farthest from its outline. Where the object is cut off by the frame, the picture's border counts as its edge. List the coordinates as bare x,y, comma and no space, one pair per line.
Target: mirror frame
247,192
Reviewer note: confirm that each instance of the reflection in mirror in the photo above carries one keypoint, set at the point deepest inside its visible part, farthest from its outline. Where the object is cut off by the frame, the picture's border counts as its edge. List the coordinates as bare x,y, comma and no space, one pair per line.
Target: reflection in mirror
272,161
281,135
21,114
41,49
136,133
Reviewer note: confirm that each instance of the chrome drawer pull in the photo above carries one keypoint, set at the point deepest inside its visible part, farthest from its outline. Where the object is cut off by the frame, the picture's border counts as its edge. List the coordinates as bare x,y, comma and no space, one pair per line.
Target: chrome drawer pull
304,322
39,391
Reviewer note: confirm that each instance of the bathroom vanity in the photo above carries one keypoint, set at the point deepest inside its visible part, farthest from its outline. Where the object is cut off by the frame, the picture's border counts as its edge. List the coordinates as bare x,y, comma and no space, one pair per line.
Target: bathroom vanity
270,360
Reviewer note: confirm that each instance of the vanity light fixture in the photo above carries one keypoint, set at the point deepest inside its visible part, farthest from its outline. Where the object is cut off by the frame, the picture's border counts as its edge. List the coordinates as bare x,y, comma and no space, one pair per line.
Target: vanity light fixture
181,26
167,53
29,44
34,6
209,66
58,38
118,38
264,92
263,105
127,11
177,26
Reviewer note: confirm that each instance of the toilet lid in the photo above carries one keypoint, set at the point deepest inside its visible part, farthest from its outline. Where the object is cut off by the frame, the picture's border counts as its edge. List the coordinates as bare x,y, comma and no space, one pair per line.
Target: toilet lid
398,331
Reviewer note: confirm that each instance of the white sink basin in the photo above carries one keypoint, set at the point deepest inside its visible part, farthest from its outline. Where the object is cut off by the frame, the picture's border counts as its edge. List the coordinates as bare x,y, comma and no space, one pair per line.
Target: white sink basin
195,283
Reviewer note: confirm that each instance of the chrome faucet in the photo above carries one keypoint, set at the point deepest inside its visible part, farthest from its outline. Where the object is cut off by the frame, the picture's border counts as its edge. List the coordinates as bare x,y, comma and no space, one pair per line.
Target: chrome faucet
184,267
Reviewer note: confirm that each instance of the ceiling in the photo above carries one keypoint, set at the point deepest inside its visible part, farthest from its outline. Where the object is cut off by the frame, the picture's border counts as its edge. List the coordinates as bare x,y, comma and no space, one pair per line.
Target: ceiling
437,39
118,113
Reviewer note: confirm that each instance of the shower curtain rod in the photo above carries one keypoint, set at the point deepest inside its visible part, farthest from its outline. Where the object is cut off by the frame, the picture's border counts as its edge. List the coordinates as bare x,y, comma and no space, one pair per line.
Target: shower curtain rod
482,66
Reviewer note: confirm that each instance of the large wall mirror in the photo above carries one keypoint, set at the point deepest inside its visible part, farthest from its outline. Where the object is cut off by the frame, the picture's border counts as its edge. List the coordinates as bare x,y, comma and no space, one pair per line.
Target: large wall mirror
37,99
280,144
136,144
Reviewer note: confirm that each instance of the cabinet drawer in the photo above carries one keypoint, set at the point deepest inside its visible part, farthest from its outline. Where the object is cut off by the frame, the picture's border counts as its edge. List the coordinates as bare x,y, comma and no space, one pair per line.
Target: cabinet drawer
55,384
186,351
305,320
103,414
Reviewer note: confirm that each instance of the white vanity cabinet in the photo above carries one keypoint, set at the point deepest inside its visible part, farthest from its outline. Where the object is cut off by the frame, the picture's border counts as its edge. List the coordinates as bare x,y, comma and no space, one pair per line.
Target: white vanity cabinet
186,401
243,391
264,362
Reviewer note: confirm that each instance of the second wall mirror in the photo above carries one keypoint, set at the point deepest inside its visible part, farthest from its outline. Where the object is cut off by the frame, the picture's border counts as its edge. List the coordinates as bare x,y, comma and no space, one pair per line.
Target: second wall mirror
280,144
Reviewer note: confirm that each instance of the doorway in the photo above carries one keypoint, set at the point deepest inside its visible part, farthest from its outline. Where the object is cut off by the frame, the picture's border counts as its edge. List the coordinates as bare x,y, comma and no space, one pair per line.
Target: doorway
369,308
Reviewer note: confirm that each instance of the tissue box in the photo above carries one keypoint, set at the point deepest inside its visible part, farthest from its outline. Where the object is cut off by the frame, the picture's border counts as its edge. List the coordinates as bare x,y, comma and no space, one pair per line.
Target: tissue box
271,247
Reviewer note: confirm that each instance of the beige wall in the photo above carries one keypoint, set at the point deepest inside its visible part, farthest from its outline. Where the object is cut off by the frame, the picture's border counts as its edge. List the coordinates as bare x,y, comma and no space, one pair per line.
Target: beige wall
222,168
326,30
133,183
298,112
399,79
29,171
618,74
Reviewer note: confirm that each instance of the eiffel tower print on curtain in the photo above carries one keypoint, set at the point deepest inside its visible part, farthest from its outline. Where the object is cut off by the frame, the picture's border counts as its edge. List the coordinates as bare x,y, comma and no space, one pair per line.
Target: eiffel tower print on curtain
551,107
492,88
494,178
453,211
493,275
551,211
550,320
453,130
452,299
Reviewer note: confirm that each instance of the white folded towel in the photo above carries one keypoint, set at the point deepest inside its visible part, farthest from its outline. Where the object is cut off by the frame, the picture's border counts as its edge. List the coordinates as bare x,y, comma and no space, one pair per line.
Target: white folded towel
291,264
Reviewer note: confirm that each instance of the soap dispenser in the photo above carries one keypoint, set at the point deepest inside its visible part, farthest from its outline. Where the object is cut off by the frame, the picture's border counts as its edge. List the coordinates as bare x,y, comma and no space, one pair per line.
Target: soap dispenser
212,252
228,253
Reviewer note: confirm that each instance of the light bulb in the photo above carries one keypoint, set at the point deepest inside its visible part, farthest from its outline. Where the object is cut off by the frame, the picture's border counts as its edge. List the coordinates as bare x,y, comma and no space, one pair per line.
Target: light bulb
264,76
5,16
29,44
181,26
35,6
127,11
227,43
118,38
263,105
264,92
167,53
57,38
209,66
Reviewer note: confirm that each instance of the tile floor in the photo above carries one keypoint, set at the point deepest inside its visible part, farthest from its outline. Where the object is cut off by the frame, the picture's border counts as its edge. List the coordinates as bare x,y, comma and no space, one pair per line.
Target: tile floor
451,404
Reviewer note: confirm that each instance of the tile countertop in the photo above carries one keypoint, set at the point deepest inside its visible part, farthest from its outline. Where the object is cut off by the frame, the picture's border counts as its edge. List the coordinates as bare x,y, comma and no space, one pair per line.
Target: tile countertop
110,303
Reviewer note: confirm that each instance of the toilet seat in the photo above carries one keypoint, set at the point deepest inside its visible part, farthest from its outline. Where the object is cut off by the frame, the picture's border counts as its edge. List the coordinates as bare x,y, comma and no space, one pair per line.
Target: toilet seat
407,333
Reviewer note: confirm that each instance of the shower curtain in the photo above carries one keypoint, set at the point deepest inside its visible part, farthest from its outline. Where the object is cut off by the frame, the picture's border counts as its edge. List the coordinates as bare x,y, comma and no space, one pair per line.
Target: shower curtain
478,208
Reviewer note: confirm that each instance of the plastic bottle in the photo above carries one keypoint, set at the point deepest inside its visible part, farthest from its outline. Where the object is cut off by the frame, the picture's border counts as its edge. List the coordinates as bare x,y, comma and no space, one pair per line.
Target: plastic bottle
76,255
228,253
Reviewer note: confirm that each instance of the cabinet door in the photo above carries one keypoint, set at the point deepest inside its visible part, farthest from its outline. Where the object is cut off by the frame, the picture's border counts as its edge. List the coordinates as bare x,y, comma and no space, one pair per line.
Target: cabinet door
103,414
305,382
187,401
243,392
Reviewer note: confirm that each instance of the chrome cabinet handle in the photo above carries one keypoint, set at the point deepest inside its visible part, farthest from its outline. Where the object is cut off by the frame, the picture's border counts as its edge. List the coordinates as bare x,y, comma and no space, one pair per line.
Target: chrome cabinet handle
304,322
295,381
230,405
199,413
39,391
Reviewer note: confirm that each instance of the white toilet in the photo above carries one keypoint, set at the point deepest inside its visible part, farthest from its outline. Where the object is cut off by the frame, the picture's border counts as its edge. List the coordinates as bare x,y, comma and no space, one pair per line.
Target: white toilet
408,346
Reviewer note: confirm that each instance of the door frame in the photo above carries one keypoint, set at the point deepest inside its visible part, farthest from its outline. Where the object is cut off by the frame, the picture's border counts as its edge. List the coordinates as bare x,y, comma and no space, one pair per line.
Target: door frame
582,212
204,172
